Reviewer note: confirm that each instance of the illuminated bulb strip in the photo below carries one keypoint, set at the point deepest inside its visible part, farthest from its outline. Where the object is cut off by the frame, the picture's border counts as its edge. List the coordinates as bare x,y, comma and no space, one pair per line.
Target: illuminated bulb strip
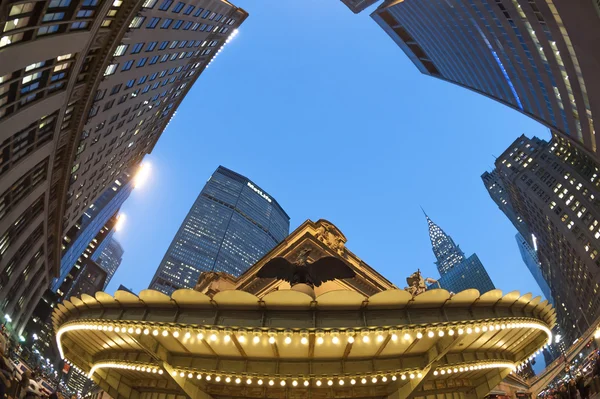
146,368
213,334
467,367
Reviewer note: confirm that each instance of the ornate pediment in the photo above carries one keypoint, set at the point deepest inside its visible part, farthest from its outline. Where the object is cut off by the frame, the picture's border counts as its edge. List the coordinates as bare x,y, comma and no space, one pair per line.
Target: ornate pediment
322,238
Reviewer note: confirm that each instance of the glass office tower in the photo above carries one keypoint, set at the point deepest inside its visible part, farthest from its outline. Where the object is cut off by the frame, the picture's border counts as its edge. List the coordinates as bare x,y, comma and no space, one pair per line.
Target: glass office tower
232,224
458,272
539,57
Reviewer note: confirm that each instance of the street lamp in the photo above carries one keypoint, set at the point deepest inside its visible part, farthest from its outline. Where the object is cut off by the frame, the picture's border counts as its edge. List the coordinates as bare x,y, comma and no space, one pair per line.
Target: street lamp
8,318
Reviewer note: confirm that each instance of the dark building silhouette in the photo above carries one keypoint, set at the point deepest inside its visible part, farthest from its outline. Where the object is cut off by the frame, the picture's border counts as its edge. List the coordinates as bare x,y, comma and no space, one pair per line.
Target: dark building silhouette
230,226
109,256
457,272
539,57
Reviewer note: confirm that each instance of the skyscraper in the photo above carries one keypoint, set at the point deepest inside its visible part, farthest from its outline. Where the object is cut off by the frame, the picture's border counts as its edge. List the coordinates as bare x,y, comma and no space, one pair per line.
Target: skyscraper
86,89
554,188
358,5
230,226
109,256
539,57
457,272
532,261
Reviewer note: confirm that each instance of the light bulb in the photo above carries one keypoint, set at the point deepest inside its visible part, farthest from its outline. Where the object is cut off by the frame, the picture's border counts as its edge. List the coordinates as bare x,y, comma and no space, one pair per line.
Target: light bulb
330,382
353,381
306,383
304,341
228,379
374,380
249,381
419,335
318,383
394,337
435,372
208,378
335,340
213,337
200,336
146,331
242,339
341,382
138,330
363,381
227,338
440,333
165,333
256,339
384,378
155,333
460,331
412,376
259,382
406,336
450,332
190,375
351,339
271,340
320,340
287,340
218,378
430,334
295,383
187,335
271,382
199,376
365,339
238,380
176,334
403,377
282,383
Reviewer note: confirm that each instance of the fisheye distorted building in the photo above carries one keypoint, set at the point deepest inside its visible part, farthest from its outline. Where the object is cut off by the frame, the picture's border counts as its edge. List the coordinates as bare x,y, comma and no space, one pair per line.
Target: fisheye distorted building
230,226
539,57
457,271
86,89
251,337
553,187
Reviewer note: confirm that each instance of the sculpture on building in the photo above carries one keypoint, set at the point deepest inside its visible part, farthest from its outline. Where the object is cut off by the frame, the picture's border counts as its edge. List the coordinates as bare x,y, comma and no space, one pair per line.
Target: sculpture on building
301,271
417,284
329,235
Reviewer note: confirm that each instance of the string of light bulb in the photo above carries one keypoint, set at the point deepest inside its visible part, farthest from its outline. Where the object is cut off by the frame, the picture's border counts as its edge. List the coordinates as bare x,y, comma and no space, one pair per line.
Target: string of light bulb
349,336
142,367
468,367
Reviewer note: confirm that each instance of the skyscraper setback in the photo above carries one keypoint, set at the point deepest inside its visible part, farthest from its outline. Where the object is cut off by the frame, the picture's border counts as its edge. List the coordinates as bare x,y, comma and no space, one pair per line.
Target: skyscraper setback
86,89
230,226
539,57
457,272
553,188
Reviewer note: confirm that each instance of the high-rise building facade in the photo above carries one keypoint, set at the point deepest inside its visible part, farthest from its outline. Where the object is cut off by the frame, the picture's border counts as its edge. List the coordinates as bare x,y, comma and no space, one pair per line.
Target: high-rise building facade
230,226
109,255
86,89
537,56
358,5
532,261
457,272
554,188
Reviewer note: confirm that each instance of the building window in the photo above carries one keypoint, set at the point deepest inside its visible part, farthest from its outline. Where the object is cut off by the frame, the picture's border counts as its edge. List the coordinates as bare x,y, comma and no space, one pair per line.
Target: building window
167,22
149,3
127,66
121,49
206,14
142,62
137,48
47,30
85,13
153,60
187,25
79,25
164,45
137,22
153,22
53,16
178,24
198,12
151,46
188,10
112,68
178,7
165,5
130,84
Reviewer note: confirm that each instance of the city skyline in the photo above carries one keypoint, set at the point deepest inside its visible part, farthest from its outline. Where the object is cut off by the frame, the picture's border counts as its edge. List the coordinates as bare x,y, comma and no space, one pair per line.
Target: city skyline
308,167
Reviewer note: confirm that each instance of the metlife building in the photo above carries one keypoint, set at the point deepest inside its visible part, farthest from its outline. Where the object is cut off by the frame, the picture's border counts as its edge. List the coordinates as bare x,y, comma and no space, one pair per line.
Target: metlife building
231,225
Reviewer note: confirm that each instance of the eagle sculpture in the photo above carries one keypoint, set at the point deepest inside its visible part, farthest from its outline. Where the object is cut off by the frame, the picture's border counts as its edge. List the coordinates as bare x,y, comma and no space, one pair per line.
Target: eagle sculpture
301,272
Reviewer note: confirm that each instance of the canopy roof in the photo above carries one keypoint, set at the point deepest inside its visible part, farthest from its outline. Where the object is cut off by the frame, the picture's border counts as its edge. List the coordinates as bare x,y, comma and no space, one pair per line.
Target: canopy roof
387,344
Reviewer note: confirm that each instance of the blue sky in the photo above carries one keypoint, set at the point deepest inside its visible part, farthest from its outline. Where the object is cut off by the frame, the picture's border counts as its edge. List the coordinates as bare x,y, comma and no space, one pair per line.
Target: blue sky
321,109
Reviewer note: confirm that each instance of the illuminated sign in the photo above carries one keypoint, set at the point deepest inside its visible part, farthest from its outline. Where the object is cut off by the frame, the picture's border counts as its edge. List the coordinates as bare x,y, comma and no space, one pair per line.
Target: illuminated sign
257,191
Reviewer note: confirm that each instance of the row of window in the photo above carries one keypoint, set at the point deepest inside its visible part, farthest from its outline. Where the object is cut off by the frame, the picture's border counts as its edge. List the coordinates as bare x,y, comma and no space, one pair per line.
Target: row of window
112,68
138,47
200,12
